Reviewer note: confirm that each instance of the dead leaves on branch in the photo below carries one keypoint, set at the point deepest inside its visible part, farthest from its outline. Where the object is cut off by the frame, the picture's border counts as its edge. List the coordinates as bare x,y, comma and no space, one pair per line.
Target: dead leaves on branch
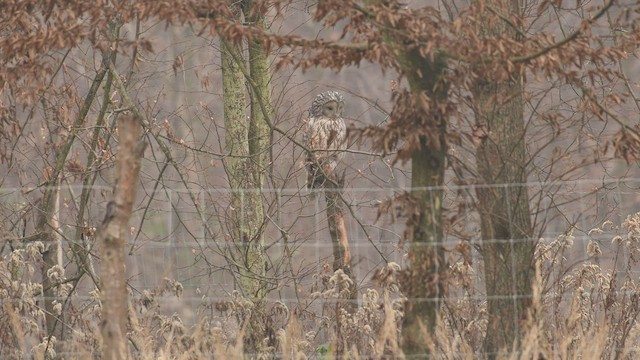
417,120
33,30
403,205
626,144
469,55
363,27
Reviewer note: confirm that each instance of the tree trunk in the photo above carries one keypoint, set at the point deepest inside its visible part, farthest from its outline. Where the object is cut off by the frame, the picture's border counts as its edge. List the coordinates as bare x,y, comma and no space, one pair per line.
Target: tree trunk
259,136
79,246
341,257
423,282
111,235
47,218
507,246
337,227
47,225
247,143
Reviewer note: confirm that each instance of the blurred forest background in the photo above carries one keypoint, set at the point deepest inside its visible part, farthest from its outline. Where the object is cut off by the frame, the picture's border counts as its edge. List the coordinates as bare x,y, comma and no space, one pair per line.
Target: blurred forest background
489,195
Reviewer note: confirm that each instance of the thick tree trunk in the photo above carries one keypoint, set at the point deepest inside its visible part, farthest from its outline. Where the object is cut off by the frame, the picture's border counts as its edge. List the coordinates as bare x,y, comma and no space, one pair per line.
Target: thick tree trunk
247,143
259,136
507,246
111,235
423,282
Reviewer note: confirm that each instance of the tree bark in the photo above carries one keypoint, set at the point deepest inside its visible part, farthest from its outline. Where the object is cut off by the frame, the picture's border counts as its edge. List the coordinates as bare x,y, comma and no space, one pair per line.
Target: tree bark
111,235
341,257
259,136
423,281
79,246
47,225
507,244
247,143
338,227
47,217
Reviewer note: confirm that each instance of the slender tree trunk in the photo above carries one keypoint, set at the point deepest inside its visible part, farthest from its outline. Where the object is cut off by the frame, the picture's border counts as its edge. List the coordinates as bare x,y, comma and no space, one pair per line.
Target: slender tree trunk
112,235
506,230
47,226
347,302
79,246
338,227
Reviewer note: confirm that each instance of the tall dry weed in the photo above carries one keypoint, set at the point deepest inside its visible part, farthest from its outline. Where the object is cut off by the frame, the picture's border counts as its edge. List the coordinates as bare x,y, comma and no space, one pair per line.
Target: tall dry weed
584,308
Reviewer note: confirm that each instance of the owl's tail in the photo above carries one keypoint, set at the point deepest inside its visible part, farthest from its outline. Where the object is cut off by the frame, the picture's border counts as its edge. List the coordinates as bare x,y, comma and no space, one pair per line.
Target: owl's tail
318,172
315,177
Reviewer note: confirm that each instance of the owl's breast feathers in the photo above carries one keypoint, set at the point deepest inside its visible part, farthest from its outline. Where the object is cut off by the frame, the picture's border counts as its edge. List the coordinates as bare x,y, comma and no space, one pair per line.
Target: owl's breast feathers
326,134
325,139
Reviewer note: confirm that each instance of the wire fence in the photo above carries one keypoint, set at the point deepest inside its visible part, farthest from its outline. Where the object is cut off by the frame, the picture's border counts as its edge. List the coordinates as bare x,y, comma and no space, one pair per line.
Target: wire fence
176,238
167,223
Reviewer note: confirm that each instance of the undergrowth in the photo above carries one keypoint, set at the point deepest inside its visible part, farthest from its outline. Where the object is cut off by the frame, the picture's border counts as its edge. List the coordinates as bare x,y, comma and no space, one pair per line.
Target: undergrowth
580,309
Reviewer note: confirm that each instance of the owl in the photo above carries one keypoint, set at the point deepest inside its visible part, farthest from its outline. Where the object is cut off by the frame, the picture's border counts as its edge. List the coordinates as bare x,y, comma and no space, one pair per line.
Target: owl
325,136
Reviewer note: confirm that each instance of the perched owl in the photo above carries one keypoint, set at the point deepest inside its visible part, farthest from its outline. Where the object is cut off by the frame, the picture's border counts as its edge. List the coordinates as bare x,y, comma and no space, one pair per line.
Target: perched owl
325,136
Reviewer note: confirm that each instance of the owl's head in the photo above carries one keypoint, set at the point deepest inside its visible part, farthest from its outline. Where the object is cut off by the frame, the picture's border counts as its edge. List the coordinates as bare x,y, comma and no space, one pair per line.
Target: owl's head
327,104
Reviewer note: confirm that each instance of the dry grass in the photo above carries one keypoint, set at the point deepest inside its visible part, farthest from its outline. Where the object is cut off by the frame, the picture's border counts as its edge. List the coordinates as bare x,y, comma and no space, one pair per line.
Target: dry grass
584,309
